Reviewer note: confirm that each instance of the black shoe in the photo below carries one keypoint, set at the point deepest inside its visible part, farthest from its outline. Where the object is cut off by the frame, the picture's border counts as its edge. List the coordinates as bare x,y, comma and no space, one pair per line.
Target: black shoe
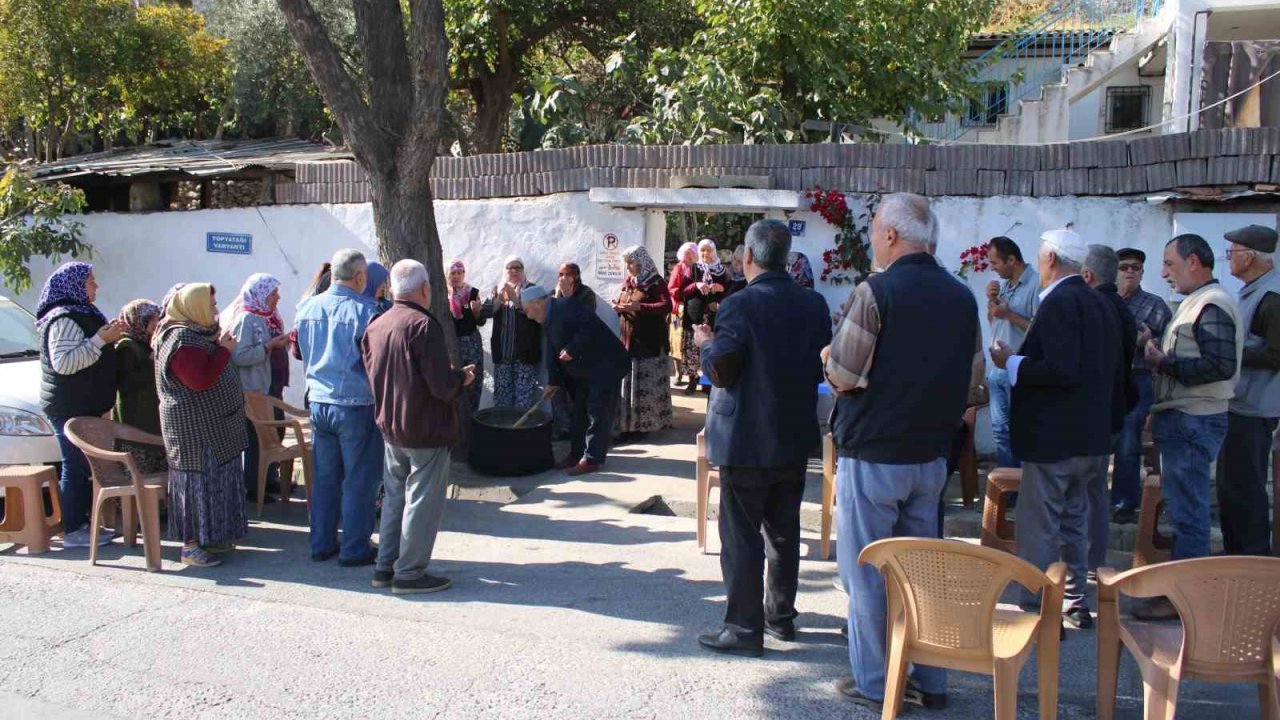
1078,618
929,701
730,642
844,632
1124,516
424,584
368,558
382,578
326,555
784,630
849,689
692,388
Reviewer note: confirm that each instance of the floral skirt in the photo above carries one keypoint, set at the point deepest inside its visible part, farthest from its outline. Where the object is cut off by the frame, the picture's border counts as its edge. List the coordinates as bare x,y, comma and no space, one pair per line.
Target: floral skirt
691,363
207,507
515,385
646,396
471,352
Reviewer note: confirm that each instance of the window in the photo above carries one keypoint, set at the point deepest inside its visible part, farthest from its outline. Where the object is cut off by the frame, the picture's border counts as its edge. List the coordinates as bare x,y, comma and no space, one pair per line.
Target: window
1127,107
991,103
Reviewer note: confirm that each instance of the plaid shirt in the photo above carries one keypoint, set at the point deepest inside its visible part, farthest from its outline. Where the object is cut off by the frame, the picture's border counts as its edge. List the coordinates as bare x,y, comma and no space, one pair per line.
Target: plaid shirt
1152,311
1215,333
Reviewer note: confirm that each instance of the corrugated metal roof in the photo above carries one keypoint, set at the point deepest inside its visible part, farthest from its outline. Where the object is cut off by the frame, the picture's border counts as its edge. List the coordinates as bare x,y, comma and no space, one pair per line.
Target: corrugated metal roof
198,158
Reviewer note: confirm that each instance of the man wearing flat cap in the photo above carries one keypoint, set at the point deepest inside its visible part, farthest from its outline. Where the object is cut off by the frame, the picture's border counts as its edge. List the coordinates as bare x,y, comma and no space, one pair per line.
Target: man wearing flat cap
1253,411
1151,315
1063,381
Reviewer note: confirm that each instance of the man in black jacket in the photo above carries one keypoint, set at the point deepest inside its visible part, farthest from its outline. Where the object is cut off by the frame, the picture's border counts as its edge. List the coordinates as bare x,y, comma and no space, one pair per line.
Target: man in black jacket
1063,381
764,364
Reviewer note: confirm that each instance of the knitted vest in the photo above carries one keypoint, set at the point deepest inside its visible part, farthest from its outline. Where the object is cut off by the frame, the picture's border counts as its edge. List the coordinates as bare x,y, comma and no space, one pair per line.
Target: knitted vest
193,421
1179,342
90,392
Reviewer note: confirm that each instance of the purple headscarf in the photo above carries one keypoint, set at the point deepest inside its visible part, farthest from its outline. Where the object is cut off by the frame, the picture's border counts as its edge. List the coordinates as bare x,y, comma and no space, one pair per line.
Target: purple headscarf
66,292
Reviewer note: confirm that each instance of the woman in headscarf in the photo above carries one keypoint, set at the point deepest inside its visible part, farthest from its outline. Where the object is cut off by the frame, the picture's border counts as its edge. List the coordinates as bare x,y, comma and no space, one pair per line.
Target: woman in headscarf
643,306
800,269
684,280
137,404
465,307
202,421
78,379
737,276
713,279
569,284
253,320
516,345
376,288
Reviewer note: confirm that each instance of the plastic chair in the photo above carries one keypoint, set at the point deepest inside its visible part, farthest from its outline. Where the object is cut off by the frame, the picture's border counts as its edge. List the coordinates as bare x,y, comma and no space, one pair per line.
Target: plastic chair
1230,609
708,477
1150,547
969,457
116,476
997,530
828,493
260,409
942,612
24,521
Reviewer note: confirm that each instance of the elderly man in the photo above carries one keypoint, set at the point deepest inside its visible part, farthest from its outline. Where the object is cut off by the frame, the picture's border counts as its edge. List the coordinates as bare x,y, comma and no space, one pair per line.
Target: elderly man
1251,415
588,361
1063,382
415,388
1100,274
1196,364
763,362
1010,306
347,445
1151,315
903,361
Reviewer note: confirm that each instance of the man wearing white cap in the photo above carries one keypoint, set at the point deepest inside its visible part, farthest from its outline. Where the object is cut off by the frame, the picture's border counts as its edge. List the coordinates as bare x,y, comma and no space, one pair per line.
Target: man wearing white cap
1063,381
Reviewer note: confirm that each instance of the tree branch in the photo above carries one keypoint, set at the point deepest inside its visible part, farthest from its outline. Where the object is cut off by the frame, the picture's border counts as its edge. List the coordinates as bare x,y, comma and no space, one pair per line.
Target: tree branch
380,31
429,58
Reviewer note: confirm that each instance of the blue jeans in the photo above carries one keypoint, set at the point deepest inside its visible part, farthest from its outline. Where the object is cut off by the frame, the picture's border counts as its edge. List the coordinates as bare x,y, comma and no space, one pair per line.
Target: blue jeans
75,486
1188,444
1001,393
1126,478
874,502
348,467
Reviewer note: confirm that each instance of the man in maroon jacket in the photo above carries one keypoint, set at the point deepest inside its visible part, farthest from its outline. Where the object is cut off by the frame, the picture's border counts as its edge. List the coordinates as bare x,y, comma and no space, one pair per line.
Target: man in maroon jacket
414,389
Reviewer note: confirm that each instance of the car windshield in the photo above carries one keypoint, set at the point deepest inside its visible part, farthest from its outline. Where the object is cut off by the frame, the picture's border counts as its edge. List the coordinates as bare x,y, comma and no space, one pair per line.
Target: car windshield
18,336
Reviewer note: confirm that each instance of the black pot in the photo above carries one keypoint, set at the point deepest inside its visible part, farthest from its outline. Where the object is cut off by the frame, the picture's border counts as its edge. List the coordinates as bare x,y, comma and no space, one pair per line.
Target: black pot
498,449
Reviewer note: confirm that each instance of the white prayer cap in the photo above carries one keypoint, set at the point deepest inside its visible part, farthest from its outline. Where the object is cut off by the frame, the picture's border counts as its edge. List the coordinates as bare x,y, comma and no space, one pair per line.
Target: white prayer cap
532,293
1066,243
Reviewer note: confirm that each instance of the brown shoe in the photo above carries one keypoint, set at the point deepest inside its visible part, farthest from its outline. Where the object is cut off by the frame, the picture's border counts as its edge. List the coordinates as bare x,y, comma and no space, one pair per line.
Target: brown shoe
583,468
1154,609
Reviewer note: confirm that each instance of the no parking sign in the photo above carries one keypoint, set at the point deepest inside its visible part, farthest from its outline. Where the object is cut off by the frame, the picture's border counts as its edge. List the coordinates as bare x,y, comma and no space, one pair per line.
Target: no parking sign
609,263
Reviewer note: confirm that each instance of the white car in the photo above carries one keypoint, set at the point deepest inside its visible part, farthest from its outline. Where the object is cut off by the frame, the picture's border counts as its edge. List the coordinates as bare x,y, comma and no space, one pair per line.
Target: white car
26,437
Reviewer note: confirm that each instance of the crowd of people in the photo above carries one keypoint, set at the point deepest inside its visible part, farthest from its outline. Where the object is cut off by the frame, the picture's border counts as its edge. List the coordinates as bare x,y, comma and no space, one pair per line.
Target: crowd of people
1080,355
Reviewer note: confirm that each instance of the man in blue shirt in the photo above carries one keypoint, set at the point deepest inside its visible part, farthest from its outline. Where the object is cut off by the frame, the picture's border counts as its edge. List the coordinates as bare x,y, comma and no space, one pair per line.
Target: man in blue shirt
1010,306
346,442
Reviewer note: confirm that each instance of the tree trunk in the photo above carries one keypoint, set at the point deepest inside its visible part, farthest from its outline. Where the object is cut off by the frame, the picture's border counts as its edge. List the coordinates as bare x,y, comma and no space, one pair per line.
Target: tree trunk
493,112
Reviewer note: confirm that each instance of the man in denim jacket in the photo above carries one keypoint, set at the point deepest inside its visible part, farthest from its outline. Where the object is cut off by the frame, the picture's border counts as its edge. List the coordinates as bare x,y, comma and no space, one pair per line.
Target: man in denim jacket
347,444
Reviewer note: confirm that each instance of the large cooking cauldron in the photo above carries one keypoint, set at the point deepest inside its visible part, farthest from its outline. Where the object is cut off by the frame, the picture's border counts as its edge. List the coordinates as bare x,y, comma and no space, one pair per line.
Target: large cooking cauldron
497,449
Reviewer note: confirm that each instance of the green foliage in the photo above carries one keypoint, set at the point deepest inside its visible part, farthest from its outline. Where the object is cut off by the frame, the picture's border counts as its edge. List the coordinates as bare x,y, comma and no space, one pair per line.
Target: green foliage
760,68
105,68
33,223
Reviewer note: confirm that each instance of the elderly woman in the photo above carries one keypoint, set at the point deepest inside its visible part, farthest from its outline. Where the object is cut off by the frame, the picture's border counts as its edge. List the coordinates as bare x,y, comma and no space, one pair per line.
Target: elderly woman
78,379
137,404
516,345
683,277
465,307
713,279
643,306
737,276
202,421
253,320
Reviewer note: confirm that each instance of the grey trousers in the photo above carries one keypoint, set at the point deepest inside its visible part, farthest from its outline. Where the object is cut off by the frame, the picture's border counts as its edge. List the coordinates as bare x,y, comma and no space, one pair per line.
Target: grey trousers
1053,520
415,481
1098,495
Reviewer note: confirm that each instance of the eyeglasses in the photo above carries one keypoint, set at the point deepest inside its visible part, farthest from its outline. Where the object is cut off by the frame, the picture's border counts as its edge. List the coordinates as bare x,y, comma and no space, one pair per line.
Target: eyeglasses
1227,255
1130,267
515,267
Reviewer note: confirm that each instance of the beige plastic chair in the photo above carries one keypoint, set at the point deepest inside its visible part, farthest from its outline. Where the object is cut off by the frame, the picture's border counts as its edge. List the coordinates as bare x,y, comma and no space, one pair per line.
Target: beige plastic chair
997,530
828,493
942,597
708,477
1151,547
1230,608
259,409
969,457
116,476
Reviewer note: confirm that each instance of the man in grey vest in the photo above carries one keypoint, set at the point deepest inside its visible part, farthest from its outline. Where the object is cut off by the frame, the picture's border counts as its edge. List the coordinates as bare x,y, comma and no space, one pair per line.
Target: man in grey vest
1252,413
1195,367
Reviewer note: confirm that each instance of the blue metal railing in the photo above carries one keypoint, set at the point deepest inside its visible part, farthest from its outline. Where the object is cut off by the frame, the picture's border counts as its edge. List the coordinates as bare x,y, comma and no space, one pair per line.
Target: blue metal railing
1064,34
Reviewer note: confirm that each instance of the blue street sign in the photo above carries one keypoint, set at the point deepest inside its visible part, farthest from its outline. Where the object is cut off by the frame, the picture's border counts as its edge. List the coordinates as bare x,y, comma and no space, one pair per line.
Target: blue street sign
232,243
797,228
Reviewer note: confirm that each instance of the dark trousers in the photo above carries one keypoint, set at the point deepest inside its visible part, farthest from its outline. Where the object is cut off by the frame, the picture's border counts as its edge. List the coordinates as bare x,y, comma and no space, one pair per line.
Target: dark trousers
1242,485
595,409
759,519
